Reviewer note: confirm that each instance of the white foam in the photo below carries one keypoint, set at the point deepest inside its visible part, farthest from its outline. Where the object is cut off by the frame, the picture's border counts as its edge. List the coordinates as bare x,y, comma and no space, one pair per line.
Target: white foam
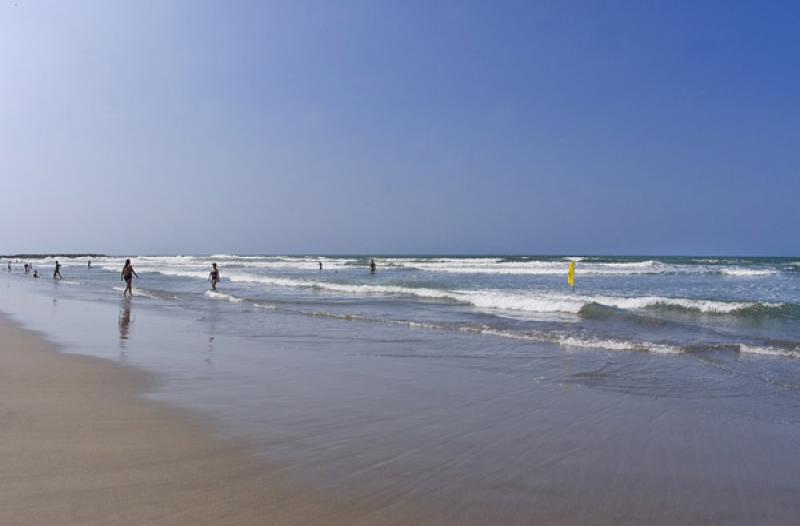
769,351
223,296
747,272
569,303
522,301
496,266
618,345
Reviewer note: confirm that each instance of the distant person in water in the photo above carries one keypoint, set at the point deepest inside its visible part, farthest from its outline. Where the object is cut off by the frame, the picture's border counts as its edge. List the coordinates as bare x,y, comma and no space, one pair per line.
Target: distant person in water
127,275
57,271
320,265
89,264
25,266
9,266
372,266
35,273
214,276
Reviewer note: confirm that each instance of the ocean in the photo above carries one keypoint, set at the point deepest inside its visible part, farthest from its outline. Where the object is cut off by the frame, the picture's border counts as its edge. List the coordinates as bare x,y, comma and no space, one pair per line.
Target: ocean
439,380
661,305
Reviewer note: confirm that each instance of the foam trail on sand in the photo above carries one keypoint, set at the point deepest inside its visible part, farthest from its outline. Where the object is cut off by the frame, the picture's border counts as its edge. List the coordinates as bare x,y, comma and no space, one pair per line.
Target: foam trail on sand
138,292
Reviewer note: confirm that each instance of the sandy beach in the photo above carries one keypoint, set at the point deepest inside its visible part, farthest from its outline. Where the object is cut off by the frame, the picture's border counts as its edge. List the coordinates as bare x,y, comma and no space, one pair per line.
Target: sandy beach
78,446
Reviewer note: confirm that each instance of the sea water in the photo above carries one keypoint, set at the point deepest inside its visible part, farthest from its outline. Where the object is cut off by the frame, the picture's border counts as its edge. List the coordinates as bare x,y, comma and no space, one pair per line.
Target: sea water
661,305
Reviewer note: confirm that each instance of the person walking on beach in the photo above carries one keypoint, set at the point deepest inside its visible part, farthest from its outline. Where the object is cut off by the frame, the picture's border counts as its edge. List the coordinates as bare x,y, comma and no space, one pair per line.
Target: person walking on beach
214,276
57,271
127,275
372,266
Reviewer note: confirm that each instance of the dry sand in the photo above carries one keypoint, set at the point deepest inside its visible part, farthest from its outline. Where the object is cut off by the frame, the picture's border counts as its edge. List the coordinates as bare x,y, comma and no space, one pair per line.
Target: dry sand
78,445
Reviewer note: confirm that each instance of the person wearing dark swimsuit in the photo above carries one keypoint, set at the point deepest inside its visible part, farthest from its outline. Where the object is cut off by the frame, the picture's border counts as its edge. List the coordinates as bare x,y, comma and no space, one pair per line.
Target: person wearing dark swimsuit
57,271
127,275
214,276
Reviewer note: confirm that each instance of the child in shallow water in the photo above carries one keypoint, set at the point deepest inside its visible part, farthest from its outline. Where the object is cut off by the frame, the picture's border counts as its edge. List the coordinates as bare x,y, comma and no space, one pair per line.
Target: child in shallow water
214,276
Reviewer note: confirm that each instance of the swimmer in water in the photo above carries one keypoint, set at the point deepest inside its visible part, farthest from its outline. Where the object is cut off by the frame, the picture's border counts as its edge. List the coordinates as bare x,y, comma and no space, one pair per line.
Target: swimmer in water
57,271
127,275
372,266
214,276
320,265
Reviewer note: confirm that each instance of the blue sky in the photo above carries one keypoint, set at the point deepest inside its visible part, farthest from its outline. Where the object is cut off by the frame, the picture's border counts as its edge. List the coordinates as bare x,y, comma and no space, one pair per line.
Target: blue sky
400,127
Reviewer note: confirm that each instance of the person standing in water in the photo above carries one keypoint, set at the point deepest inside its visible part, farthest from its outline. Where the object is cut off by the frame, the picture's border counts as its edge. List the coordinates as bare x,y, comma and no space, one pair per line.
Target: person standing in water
9,266
320,265
89,264
57,271
35,273
372,266
214,276
127,275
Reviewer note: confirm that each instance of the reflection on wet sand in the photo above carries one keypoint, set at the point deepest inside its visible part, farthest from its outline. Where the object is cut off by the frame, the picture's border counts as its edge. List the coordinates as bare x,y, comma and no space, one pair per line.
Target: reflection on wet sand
124,323
209,361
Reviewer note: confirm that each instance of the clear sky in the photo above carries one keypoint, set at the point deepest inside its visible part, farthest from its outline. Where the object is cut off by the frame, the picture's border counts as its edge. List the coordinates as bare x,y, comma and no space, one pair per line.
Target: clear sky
637,127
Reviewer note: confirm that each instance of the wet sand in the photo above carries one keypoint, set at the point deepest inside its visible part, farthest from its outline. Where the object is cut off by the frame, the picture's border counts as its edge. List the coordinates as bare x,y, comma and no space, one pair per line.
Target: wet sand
78,446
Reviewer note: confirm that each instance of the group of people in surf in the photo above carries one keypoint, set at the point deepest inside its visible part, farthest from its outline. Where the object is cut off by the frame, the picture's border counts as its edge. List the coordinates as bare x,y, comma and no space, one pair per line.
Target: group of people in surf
128,273
29,268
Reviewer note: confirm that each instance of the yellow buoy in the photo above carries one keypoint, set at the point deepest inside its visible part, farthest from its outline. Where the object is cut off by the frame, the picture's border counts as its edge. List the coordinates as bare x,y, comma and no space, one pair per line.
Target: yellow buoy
571,274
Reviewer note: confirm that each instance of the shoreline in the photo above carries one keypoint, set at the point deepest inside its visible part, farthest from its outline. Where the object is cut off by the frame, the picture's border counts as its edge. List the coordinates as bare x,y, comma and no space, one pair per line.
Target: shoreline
80,445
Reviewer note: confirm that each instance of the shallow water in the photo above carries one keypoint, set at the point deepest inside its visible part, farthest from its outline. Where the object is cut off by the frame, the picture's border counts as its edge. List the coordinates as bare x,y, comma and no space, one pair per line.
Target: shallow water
437,409
663,305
